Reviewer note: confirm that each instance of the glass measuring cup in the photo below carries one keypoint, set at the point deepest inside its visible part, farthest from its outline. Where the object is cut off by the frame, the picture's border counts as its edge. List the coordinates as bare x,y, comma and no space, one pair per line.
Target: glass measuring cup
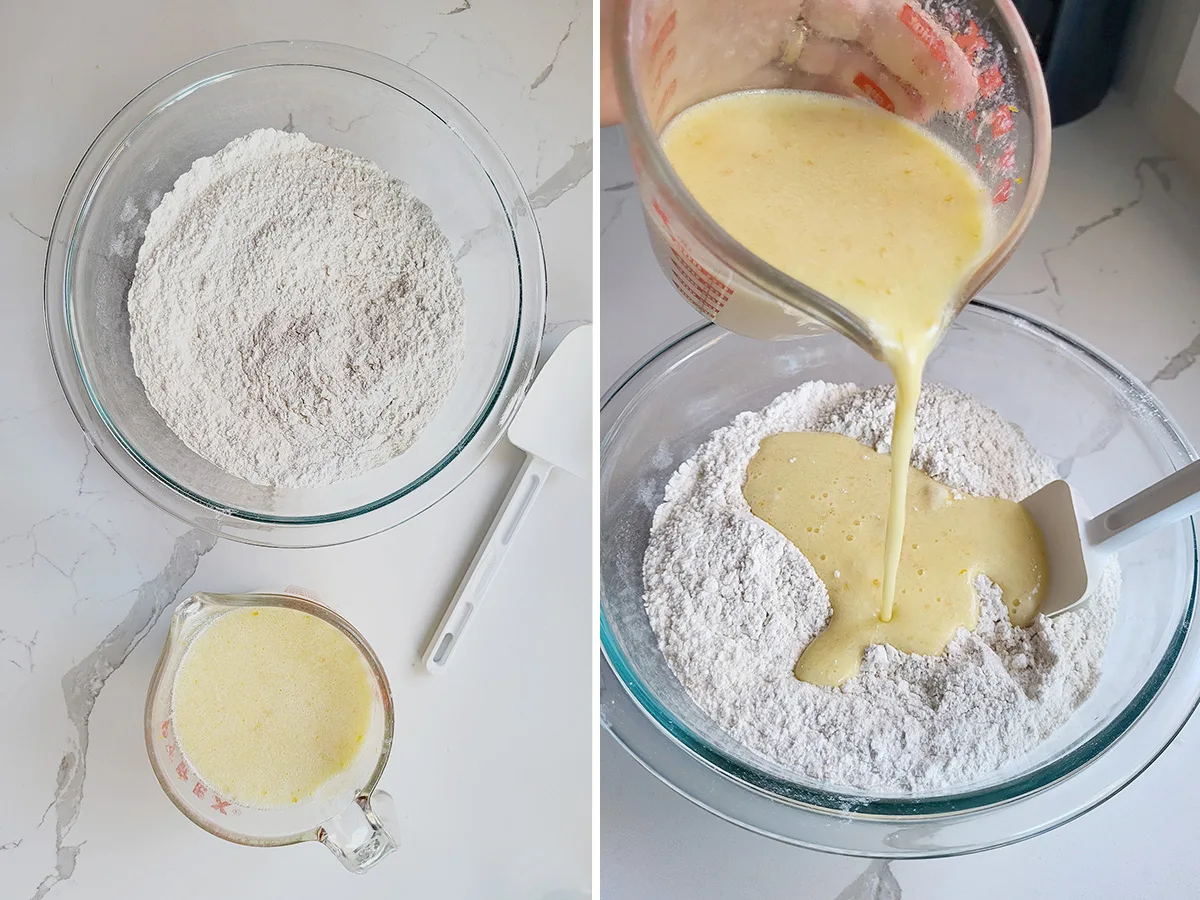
342,816
670,55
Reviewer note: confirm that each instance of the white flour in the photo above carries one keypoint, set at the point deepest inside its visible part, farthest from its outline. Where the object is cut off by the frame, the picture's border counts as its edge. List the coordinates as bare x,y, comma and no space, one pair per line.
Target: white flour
295,315
733,603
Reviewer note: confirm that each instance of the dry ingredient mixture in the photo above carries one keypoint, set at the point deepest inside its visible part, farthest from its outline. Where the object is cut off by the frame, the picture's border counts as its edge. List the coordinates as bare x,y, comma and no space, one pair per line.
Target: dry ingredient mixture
295,315
733,603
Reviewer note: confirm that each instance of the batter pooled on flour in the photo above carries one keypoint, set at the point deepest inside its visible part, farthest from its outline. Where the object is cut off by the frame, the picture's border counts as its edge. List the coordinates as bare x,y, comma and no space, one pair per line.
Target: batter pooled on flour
735,604
295,316
828,494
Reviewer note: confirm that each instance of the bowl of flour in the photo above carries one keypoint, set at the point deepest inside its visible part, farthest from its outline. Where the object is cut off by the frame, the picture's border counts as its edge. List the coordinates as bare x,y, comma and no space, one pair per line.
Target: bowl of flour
705,608
294,293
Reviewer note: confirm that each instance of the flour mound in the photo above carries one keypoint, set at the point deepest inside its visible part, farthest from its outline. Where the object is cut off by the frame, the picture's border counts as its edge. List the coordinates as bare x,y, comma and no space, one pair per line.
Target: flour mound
295,315
734,603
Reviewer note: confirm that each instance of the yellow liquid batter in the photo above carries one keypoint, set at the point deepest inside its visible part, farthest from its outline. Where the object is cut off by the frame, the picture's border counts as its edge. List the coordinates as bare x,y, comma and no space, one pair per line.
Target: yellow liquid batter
857,203
270,704
829,495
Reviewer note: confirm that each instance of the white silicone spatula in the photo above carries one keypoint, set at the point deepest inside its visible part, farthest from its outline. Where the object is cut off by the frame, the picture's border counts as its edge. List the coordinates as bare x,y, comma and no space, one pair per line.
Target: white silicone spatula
553,427
1077,546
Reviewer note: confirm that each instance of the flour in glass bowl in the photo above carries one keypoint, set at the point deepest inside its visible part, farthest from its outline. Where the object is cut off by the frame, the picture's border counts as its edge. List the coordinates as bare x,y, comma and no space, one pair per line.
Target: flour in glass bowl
295,315
734,603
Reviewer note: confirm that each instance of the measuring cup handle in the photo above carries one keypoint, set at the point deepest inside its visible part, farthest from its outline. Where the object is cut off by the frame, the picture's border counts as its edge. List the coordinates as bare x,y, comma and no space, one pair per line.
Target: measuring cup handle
361,835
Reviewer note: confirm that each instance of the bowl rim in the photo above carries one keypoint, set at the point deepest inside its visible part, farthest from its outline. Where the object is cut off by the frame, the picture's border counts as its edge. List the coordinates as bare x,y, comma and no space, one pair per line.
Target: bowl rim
663,745
490,422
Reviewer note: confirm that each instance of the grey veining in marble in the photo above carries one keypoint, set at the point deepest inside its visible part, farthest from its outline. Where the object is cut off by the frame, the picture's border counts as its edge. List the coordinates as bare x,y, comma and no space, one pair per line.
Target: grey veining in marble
40,237
545,73
565,178
876,883
1153,164
83,683
1179,363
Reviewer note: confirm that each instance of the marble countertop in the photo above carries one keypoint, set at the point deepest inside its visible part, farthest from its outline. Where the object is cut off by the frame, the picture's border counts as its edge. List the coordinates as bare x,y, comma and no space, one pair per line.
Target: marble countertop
492,760
1111,256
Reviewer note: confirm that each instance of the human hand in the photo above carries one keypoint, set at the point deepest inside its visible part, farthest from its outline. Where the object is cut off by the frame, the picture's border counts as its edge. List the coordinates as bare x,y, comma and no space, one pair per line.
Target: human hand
890,52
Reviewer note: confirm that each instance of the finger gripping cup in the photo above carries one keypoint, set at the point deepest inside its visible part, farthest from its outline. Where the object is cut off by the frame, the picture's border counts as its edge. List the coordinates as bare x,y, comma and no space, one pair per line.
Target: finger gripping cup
966,72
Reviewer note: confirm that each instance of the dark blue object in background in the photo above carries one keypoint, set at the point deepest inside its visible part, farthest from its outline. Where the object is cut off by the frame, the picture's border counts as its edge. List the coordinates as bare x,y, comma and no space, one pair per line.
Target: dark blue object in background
1078,43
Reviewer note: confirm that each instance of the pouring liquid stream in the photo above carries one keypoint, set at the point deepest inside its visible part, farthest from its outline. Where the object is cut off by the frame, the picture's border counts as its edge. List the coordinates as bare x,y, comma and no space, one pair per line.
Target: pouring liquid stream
864,207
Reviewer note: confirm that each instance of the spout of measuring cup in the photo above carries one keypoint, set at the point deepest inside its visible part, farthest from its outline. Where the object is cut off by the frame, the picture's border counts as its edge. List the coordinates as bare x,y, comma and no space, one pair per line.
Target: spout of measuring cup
362,834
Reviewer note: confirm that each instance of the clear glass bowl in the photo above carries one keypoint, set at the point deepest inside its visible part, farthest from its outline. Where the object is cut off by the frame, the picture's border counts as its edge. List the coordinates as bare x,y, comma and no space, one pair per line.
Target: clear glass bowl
343,97
1104,428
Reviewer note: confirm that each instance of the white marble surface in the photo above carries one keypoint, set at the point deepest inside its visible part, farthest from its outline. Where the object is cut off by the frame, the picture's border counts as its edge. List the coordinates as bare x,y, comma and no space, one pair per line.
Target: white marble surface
1112,256
491,767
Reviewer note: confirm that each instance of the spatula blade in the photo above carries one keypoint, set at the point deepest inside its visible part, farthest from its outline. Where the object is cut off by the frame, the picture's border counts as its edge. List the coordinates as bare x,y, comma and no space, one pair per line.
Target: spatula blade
554,422
1073,566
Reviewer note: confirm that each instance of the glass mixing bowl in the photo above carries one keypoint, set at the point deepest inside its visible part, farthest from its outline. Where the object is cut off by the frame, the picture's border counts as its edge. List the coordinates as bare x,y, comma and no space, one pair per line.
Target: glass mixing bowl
1106,431
346,98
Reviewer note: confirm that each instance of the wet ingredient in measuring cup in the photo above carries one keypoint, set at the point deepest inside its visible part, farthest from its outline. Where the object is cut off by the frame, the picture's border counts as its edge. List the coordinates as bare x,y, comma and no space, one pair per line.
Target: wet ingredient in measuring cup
857,203
270,704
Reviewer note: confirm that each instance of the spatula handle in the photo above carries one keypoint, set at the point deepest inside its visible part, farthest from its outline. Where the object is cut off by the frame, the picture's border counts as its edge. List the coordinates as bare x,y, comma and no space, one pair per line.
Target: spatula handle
1173,498
513,511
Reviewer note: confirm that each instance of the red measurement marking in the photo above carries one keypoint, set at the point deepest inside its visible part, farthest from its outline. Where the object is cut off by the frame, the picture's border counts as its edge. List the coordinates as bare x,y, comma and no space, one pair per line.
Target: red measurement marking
663,33
170,751
1002,122
681,255
667,95
164,728
972,42
697,282
874,92
1003,191
924,31
707,304
684,265
1007,160
666,220
182,771
199,790
664,65
990,81
696,277
220,805
699,286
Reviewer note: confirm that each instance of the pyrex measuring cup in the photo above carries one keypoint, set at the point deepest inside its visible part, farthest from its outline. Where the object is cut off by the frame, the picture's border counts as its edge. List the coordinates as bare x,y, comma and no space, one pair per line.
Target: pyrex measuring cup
341,816
671,54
